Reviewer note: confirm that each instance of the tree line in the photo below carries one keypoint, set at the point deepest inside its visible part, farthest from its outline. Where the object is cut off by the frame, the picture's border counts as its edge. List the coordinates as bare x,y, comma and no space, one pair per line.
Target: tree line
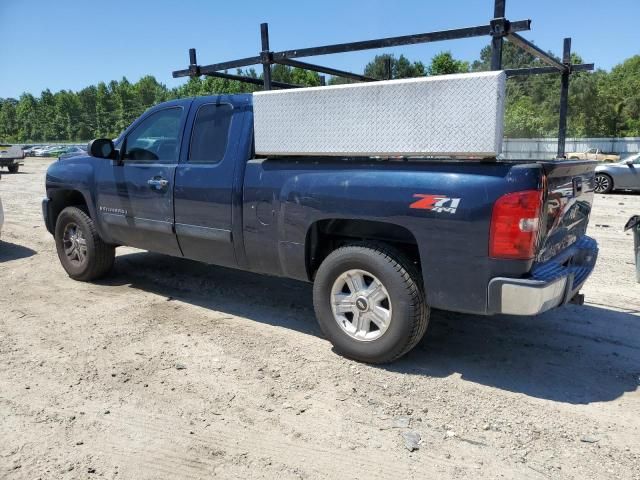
601,104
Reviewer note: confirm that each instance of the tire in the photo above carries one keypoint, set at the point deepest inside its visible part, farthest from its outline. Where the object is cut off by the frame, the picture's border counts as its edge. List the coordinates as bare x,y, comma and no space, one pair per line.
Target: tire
404,310
13,168
603,183
73,229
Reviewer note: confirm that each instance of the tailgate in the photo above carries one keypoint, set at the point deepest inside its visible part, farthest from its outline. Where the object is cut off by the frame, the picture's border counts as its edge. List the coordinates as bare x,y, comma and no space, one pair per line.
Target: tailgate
568,200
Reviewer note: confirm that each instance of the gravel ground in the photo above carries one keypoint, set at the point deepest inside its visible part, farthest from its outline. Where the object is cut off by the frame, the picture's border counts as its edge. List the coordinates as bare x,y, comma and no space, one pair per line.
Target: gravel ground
173,369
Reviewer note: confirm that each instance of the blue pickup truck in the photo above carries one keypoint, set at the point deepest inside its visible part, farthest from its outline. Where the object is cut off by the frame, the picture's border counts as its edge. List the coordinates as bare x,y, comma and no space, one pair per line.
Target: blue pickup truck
383,240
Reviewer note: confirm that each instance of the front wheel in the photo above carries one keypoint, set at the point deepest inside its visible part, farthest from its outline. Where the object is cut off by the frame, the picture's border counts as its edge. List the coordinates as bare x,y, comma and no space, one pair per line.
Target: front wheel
13,168
603,183
81,251
369,303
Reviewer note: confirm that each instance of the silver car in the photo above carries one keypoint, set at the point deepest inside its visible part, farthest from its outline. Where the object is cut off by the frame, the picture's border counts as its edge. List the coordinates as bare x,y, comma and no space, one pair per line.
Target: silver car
623,175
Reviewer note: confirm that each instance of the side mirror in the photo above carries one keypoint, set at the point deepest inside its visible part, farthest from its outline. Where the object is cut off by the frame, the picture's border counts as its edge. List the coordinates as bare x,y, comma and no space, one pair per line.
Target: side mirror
101,148
628,161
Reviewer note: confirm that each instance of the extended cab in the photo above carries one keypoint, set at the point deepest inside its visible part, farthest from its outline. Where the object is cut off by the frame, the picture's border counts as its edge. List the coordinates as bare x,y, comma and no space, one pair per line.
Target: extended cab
595,154
382,239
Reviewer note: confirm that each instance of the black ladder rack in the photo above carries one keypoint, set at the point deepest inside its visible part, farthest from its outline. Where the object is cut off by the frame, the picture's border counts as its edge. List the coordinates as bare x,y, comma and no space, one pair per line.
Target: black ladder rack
499,29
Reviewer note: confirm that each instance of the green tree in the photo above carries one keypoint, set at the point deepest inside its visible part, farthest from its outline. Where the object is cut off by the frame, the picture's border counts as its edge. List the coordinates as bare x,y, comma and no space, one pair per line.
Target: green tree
86,126
149,92
622,90
8,125
66,115
27,118
105,117
126,102
444,64
46,115
401,67
512,57
295,76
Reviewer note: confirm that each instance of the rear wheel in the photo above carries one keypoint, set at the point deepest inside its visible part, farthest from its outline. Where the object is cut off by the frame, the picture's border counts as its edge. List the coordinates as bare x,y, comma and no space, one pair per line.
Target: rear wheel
81,251
603,183
369,303
13,168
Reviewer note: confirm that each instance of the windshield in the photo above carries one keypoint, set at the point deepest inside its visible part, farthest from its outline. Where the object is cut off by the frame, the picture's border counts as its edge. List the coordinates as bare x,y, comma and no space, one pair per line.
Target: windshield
635,158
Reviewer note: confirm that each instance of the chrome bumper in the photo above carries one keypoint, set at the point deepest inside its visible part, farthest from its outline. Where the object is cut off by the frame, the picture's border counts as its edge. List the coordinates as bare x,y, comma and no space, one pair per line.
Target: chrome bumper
551,284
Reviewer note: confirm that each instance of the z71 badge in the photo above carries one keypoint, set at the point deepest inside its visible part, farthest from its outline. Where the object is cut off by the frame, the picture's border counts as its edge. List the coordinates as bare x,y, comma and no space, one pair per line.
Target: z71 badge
435,203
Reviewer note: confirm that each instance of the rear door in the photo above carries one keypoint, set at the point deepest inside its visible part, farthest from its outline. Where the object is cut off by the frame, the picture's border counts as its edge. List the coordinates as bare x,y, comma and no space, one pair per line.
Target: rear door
204,188
135,194
569,196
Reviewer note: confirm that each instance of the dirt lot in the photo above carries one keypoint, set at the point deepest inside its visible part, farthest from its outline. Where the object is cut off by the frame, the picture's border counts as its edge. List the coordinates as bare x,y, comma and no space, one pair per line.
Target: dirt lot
172,369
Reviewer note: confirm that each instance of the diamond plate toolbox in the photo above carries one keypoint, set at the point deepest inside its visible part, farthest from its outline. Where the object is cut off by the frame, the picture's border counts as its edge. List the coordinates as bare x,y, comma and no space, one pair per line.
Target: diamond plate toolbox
449,115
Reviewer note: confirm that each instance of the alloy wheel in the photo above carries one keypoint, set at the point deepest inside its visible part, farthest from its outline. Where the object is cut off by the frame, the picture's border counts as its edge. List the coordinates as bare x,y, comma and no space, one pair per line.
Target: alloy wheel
361,305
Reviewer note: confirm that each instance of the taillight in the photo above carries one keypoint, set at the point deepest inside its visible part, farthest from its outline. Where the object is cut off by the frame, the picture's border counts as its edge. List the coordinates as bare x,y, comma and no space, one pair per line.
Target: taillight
514,225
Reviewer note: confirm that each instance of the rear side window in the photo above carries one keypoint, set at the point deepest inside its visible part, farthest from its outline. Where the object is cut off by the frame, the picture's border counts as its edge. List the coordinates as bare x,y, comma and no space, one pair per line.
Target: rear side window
210,133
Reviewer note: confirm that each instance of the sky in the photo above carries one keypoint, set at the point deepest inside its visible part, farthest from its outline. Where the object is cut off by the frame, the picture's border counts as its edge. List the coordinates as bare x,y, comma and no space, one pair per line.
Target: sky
70,44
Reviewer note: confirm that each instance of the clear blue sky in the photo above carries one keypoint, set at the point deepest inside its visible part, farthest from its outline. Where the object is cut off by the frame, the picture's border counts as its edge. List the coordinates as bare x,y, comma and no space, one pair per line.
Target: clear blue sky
69,44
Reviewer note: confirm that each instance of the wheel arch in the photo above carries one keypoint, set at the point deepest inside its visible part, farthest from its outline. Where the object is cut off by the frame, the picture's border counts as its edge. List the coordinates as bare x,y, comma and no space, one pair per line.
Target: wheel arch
326,235
61,199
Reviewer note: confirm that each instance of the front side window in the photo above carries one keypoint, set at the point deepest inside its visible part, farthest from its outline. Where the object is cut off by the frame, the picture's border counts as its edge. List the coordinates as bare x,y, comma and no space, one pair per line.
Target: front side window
210,133
155,139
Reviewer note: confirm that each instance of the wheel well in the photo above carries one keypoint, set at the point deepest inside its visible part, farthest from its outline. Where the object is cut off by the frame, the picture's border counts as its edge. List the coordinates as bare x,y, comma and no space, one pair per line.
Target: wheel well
325,236
62,199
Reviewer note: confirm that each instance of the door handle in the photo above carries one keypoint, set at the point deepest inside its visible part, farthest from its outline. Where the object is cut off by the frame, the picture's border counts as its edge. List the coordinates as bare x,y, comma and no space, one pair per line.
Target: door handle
158,183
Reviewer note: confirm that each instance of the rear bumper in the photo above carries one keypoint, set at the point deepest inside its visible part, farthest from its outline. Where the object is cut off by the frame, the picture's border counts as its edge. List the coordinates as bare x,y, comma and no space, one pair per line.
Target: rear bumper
551,284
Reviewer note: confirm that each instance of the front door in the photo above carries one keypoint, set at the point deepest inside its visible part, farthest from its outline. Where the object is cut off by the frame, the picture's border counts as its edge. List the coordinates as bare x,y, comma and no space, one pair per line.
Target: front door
205,182
629,175
135,194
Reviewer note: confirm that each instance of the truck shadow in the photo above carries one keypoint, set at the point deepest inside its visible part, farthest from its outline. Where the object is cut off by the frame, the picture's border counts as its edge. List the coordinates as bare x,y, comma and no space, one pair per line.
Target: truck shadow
577,354
12,251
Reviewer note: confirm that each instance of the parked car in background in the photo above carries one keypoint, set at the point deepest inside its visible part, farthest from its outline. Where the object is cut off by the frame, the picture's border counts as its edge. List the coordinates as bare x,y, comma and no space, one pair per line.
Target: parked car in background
30,150
72,152
595,154
40,151
11,156
623,175
55,151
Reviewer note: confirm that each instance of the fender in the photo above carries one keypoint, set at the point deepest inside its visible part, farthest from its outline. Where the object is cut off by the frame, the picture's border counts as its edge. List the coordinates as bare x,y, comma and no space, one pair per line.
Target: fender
73,174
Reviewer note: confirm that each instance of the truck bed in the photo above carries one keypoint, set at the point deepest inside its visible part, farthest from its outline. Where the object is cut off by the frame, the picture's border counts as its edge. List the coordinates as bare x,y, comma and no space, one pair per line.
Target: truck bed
288,199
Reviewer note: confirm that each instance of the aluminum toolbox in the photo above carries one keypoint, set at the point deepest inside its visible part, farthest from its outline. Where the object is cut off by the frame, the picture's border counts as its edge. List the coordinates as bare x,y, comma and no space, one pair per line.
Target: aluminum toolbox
449,115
